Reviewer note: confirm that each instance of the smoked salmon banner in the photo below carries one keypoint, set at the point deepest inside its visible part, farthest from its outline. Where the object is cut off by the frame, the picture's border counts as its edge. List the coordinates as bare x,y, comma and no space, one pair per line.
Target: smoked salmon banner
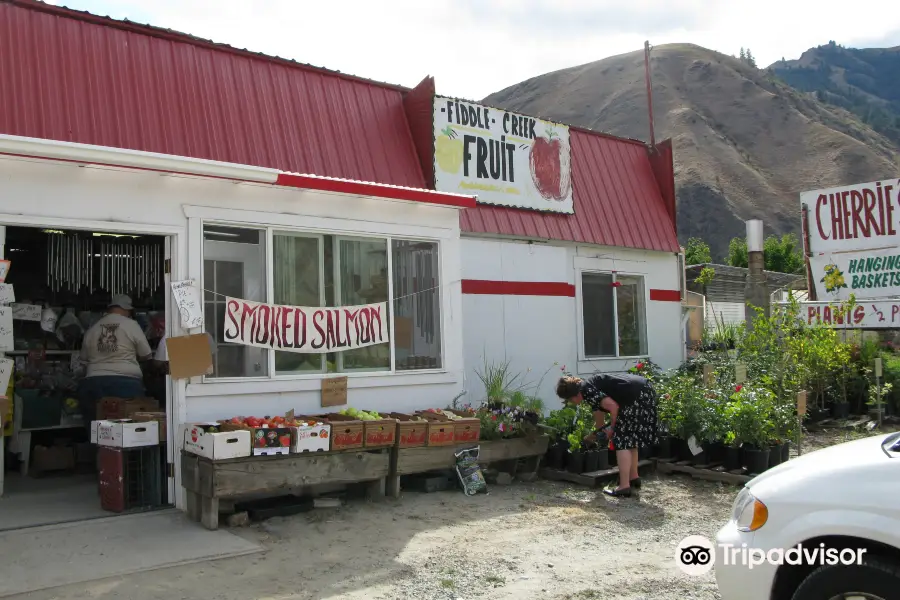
306,330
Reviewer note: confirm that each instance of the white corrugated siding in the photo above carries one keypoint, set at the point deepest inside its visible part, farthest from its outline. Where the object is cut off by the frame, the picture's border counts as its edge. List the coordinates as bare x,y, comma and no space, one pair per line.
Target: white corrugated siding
724,312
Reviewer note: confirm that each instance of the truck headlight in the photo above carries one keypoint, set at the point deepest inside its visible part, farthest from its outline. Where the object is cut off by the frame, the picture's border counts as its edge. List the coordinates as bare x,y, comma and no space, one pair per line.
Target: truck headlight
748,512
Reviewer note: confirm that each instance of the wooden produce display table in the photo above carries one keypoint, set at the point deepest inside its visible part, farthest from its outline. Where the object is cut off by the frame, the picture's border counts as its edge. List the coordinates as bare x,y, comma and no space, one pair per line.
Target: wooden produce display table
407,461
206,481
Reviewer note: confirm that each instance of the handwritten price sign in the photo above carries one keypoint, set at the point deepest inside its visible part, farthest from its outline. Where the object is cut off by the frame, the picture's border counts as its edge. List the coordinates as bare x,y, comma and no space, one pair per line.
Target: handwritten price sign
7,294
6,329
190,304
6,370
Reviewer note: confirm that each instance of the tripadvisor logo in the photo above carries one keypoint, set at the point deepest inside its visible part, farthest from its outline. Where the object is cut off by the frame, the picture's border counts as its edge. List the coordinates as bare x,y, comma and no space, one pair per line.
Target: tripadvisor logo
696,555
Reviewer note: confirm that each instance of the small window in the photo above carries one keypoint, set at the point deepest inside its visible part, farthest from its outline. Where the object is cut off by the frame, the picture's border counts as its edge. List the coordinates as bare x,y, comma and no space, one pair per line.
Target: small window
613,315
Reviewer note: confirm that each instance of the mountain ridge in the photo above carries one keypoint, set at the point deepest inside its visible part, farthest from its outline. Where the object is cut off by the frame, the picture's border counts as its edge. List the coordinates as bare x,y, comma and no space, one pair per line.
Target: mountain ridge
746,143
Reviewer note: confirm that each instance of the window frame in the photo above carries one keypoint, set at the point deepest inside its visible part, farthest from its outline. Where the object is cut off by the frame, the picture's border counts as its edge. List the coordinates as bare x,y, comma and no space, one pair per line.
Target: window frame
579,292
271,229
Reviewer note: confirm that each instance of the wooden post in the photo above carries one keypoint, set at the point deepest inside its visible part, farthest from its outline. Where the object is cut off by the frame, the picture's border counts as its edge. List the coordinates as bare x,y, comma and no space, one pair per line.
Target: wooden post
878,377
801,410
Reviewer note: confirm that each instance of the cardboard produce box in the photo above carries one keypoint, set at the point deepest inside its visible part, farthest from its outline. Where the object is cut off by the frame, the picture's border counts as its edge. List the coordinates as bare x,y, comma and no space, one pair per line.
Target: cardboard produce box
346,433
467,428
441,430
410,433
52,458
381,433
125,433
206,439
124,408
160,417
312,438
265,441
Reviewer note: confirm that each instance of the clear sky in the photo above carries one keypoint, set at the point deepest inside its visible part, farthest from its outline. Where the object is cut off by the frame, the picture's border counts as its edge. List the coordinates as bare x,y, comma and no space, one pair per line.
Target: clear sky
475,47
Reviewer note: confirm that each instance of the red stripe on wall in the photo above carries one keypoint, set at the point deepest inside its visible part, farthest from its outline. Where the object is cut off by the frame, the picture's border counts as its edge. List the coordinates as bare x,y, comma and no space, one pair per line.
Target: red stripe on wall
665,295
517,288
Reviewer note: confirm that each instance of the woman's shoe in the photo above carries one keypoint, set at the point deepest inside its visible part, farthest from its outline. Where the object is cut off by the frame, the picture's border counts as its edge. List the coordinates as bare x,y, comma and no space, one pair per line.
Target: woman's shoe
636,483
623,493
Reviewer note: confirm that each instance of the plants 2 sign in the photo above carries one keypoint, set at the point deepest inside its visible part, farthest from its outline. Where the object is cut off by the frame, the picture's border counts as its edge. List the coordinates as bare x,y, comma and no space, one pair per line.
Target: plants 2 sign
854,240
504,158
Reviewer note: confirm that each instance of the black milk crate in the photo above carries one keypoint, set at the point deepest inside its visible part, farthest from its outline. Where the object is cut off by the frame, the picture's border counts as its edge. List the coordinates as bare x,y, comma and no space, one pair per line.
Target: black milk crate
130,478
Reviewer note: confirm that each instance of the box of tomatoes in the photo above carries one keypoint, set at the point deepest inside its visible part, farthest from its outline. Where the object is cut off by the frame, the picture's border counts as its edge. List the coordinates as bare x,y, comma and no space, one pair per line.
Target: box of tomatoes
208,439
268,435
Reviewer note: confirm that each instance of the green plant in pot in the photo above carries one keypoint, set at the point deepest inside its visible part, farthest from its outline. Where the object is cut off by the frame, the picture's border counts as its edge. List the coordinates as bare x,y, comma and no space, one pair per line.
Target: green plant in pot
561,423
757,405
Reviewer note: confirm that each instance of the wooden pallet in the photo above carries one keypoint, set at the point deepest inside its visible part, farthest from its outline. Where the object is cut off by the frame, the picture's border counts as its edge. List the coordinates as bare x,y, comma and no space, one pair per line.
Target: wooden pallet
592,479
708,472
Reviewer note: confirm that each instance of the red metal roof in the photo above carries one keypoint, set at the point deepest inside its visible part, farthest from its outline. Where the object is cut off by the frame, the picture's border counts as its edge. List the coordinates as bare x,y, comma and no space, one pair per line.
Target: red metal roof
75,77
616,196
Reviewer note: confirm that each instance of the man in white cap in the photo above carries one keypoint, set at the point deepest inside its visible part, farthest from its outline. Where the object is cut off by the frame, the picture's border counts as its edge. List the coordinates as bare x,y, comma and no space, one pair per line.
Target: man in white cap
111,352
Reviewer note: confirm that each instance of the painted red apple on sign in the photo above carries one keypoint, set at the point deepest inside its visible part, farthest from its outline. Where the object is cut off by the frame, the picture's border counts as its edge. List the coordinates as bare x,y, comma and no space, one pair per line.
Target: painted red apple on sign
549,161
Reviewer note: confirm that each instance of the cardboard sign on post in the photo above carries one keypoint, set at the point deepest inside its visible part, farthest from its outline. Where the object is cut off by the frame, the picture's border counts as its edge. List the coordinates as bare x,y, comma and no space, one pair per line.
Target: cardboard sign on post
189,355
334,391
801,403
708,375
740,373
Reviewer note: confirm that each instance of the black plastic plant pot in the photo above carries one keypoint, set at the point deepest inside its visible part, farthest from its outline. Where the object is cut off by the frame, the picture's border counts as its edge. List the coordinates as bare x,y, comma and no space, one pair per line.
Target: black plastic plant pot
757,461
645,452
611,458
664,448
702,458
575,462
774,455
716,452
556,457
786,452
591,460
602,460
840,410
732,458
684,451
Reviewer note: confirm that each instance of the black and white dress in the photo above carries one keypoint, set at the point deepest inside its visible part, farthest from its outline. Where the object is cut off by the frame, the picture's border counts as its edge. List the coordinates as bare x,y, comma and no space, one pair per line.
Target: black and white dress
636,425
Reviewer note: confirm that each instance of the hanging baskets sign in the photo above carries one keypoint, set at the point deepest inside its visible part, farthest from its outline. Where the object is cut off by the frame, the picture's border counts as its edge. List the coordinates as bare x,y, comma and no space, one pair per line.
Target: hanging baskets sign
306,330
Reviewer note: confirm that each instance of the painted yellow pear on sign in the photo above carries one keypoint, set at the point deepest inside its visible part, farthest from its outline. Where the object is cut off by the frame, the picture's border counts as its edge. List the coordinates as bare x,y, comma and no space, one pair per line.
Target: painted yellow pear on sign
448,151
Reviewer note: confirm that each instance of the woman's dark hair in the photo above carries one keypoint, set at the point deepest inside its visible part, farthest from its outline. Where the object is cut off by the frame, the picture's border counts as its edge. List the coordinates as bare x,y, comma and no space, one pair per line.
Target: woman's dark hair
568,387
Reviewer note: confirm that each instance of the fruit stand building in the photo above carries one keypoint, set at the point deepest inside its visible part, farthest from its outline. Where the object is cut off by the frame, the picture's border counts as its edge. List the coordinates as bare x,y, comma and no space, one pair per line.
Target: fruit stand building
281,183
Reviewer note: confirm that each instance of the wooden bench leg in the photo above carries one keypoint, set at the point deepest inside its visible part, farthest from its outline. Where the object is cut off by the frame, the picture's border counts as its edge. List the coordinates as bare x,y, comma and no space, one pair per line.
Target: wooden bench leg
192,500
209,512
393,479
375,489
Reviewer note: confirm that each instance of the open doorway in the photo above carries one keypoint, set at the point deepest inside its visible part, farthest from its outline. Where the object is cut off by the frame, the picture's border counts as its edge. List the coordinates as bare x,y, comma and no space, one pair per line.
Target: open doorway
64,282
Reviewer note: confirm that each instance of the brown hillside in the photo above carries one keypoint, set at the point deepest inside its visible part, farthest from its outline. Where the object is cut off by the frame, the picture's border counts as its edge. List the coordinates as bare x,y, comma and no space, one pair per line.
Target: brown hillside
745,144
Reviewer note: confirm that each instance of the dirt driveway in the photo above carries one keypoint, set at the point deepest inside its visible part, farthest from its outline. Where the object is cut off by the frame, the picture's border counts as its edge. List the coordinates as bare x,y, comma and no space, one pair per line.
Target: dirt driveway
540,540
526,541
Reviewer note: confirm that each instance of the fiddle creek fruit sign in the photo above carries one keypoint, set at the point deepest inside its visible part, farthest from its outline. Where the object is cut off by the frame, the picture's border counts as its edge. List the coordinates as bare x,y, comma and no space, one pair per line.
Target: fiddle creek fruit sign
303,329
504,158
854,217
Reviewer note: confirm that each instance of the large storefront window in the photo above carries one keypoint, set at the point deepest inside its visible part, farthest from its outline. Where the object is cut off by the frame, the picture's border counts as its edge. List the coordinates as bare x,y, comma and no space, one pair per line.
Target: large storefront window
312,269
614,321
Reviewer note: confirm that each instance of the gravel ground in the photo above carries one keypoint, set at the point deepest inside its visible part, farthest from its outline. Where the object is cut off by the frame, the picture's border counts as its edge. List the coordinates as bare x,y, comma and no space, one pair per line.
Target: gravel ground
540,540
